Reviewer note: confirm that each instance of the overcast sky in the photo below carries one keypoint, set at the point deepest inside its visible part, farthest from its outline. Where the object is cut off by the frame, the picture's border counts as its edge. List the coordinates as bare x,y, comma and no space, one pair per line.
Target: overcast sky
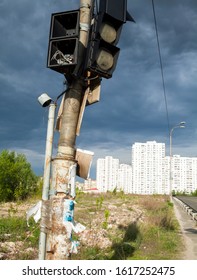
132,106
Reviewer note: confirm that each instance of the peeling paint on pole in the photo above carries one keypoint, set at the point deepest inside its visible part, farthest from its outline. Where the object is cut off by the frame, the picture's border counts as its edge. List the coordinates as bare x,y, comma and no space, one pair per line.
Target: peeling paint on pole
62,193
61,169
59,244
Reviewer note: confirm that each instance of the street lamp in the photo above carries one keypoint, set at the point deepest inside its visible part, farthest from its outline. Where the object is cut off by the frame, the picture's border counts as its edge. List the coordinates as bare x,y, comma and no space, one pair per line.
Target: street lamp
180,125
45,101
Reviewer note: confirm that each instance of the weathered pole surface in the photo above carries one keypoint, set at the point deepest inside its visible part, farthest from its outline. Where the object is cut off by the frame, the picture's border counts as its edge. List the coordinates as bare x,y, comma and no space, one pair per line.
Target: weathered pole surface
59,243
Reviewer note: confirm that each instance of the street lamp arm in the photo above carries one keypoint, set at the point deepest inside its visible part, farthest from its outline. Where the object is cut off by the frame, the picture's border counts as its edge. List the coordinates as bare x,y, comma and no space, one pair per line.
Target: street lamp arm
180,125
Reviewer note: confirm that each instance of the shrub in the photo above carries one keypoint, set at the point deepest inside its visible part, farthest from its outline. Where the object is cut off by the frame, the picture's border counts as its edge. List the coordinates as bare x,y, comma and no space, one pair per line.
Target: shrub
17,180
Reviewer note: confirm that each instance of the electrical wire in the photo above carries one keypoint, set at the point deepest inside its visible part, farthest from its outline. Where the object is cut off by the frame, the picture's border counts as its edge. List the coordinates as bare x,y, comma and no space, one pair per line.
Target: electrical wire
161,66
61,94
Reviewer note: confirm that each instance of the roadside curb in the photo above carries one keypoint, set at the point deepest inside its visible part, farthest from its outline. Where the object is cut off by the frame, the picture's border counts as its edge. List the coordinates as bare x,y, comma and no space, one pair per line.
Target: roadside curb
187,209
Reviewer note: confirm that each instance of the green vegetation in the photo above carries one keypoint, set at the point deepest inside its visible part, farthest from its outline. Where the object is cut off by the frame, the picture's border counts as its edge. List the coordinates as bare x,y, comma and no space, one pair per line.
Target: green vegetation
183,193
118,227
105,223
17,240
152,234
194,193
17,180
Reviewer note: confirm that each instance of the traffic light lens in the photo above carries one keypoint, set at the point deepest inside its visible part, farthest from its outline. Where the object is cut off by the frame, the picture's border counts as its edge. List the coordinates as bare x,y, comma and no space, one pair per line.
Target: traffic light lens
105,60
108,33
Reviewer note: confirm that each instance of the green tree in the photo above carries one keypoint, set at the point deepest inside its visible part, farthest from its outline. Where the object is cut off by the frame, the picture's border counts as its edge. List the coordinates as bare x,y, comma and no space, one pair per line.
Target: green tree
17,180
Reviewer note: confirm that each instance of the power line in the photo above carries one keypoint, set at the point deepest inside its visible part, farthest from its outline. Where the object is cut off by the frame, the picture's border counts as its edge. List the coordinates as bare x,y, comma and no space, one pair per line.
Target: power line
161,66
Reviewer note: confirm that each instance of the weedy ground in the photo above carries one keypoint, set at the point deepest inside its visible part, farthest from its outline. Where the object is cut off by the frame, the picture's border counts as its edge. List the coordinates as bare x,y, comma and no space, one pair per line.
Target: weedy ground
118,227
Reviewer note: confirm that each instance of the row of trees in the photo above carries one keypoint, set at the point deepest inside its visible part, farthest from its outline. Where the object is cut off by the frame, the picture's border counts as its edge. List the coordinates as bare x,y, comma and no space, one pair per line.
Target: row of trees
184,193
17,179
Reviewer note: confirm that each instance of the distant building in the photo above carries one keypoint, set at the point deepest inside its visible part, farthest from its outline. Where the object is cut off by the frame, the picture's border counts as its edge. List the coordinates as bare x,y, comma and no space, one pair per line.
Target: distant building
184,173
89,184
124,182
149,172
107,173
147,165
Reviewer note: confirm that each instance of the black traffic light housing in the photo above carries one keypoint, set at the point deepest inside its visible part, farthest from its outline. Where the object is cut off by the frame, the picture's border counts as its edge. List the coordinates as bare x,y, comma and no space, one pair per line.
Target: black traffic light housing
63,42
102,53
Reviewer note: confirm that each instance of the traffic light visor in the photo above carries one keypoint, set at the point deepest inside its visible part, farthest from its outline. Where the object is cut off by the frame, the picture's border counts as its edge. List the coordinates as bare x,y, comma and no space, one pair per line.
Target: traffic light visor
65,24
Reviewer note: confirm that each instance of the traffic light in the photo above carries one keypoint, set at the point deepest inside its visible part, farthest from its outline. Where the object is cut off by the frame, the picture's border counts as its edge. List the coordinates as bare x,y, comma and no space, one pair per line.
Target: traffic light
63,41
102,53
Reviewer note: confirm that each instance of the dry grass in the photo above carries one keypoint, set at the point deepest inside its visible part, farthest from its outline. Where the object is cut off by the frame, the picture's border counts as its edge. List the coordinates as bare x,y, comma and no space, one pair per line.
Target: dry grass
152,233
118,226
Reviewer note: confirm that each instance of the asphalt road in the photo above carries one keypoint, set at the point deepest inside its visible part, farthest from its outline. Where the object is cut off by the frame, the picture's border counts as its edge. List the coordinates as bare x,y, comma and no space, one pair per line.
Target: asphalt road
189,230
190,201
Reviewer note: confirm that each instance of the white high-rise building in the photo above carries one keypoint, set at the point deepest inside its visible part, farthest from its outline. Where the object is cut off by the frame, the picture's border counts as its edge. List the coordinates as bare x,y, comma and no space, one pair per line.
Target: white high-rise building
147,166
100,175
125,178
107,173
149,172
184,173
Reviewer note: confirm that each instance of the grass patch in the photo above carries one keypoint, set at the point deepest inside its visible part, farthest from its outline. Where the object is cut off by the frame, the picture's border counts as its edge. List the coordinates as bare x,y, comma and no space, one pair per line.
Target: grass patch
17,240
134,227
159,244
155,235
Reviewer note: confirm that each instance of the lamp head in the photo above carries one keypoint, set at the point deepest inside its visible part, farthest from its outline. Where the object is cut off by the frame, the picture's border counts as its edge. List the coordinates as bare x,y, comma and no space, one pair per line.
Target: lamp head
182,124
44,100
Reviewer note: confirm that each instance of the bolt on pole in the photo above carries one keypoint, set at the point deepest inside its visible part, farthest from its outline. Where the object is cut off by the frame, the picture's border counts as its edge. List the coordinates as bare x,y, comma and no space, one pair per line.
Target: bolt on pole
62,191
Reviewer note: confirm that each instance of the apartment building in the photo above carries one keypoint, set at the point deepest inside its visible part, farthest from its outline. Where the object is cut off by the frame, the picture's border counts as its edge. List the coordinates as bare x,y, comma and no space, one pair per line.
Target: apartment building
184,173
149,172
124,182
107,173
147,164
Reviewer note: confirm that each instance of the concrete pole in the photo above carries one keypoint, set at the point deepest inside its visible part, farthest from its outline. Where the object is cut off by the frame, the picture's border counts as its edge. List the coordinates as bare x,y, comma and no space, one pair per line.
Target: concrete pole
59,237
47,172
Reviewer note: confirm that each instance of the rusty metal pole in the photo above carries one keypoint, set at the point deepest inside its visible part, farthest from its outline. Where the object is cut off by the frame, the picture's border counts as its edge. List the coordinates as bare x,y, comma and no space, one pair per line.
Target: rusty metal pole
59,243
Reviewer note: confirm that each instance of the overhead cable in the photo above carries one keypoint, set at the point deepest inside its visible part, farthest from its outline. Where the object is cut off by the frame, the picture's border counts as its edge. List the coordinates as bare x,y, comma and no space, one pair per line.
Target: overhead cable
161,67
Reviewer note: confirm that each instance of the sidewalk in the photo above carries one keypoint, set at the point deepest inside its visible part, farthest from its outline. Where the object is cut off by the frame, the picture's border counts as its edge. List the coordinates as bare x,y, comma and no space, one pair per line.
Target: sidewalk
189,231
